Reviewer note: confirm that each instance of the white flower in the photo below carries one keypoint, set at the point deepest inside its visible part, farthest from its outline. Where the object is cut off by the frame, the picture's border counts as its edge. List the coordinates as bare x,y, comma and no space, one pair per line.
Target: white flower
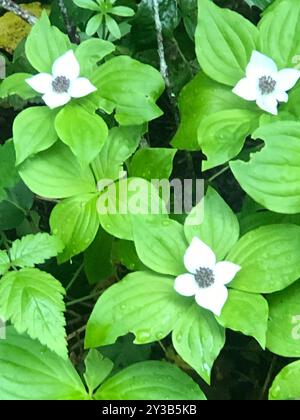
265,84
63,84
206,279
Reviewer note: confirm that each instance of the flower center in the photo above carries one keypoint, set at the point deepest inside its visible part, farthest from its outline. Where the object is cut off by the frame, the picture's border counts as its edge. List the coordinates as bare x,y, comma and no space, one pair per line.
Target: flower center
204,277
61,84
266,84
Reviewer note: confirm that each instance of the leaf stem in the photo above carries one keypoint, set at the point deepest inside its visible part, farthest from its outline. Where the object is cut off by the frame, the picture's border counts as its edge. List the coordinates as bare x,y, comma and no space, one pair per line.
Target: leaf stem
218,173
269,377
83,299
75,276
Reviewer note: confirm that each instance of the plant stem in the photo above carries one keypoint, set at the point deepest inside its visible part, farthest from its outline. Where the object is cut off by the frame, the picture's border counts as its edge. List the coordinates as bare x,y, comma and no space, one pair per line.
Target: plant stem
269,377
17,10
76,333
162,59
218,173
75,277
71,29
83,299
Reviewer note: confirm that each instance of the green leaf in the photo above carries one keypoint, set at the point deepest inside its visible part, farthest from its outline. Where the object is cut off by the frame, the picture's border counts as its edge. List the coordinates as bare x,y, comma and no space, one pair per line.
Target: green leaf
34,249
90,52
87,4
213,221
15,84
97,368
189,11
143,303
152,164
198,339
284,322
75,221
124,253
57,174
160,244
262,4
222,135
122,11
129,87
225,41
152,381
85,136
198,99
34,131
132,196
45,44
120,144
15,206
8,172
279,35
269,257
4,262
94,24
42,374
33,301
286,385
246,313
98,259
276,188
112,26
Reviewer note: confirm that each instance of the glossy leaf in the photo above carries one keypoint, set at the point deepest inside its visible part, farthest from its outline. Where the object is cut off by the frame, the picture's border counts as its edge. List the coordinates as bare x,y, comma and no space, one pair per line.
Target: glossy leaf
33,301
75,221
143,303
269,257
198,339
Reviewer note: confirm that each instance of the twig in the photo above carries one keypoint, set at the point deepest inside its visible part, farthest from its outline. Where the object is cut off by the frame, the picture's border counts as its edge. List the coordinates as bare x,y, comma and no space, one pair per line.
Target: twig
220,172
17,10
75,276
160,42
83,299
269,377
71,29
162,59
76,333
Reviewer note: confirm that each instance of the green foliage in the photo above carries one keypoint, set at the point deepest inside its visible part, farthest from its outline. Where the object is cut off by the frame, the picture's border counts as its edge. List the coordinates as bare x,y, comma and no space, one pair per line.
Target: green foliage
152,380
45,44
268,257
247,313
33,301
34,249
198,339
286,384
56,379
277,188
213,221
144,304
131,92
224,42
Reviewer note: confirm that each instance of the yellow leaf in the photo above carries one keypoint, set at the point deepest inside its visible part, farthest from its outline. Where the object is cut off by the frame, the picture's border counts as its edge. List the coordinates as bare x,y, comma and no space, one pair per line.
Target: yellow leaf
13,29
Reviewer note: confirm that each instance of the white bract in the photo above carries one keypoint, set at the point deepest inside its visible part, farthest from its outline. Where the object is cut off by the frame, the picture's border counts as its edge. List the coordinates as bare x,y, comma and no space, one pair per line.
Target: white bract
206,279
265,84
64,83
